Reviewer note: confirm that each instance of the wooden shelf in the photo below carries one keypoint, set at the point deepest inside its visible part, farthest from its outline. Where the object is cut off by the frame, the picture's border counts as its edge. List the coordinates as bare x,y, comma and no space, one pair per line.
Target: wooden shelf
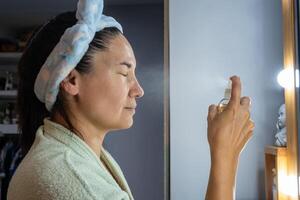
2,175
10,55
274,150
9,61
8,94
275,158
8,129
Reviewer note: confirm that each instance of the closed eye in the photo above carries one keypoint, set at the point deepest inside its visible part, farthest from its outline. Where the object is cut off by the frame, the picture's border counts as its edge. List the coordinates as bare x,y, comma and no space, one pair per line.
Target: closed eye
124,75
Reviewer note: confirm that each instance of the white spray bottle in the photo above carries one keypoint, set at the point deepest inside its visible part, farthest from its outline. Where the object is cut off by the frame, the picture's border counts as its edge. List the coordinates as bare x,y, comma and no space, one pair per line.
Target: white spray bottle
227,94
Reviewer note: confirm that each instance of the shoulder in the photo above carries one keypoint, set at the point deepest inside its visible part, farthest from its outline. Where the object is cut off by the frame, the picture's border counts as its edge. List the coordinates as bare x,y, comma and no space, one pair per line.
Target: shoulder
61,174
53,170
46,177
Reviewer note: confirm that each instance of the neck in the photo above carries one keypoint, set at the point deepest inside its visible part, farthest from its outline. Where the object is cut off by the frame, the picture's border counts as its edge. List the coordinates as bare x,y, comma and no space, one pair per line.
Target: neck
90,134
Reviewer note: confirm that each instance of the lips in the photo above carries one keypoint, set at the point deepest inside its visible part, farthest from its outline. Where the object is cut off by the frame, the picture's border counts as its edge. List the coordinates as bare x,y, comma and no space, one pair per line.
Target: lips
131,107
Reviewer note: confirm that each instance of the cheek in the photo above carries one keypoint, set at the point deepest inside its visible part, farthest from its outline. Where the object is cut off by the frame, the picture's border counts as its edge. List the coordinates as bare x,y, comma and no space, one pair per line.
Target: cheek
108,95
118,92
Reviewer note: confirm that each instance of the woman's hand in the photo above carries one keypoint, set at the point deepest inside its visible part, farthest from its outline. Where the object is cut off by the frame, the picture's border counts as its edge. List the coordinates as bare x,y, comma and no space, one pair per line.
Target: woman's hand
228,132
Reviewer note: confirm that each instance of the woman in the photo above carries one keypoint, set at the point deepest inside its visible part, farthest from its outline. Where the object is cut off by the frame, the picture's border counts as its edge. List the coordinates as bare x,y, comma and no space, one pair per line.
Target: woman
77,83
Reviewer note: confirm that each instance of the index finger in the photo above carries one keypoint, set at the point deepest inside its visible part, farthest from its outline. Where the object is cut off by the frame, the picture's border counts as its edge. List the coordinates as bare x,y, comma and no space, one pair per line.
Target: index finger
235,92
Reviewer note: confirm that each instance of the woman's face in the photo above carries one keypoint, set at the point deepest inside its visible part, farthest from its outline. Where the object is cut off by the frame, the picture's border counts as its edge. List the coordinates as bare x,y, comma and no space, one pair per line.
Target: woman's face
107,92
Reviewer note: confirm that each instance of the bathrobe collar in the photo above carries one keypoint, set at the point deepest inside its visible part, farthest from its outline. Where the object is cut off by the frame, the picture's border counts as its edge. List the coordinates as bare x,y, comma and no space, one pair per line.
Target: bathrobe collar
69,138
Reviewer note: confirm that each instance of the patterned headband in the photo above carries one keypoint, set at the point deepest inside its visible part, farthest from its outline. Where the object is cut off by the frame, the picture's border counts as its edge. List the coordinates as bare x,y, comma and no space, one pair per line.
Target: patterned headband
70,49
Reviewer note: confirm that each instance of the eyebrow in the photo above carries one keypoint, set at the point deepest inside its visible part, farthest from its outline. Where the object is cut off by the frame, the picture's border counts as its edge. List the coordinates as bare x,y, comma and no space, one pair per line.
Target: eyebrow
128,65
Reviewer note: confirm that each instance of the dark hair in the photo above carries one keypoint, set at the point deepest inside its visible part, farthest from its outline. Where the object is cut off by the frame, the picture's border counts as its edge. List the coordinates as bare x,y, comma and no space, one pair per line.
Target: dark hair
31,111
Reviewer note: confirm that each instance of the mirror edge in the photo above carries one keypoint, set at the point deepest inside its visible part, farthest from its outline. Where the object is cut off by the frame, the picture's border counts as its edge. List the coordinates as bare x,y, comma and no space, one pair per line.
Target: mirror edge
167,176
289,61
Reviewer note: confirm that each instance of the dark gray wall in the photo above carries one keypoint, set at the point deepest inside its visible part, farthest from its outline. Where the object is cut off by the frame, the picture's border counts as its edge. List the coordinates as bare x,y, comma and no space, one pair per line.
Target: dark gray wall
139,150
209,42
16,13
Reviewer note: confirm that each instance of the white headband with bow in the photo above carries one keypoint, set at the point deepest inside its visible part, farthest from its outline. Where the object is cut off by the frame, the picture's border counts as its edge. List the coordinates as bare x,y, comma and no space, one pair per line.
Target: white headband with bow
70,49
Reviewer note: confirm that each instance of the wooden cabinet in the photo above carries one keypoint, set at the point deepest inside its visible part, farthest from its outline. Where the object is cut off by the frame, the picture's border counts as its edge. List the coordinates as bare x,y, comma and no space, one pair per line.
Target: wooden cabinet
275,168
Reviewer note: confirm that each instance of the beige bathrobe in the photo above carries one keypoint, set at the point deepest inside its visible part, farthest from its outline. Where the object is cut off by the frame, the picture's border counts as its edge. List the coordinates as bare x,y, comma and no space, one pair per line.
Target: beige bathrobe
61,166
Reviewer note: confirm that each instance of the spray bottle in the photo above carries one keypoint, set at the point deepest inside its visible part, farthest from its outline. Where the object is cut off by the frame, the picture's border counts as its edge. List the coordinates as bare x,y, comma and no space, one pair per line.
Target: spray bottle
223,103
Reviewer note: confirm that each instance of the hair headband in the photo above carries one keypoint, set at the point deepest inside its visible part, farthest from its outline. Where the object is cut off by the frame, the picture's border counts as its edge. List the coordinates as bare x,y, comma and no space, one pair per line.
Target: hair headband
70,49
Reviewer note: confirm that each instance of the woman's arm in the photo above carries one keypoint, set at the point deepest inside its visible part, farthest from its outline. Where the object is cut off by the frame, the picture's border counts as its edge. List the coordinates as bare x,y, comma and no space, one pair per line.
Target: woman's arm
221,184
228,132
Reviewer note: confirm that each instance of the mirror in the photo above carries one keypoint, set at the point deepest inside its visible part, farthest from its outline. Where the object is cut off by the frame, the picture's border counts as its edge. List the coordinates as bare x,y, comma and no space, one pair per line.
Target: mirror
209,42
297,45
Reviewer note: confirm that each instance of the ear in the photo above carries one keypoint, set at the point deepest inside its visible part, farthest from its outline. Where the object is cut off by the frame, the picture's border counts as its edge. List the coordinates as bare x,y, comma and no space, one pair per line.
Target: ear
70,84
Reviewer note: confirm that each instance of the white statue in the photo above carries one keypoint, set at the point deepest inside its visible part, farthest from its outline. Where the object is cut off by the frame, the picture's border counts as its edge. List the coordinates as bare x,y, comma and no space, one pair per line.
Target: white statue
281,128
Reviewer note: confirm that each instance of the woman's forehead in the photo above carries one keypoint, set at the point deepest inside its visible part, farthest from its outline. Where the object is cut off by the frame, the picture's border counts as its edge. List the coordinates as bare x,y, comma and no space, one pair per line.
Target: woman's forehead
121,50
121,44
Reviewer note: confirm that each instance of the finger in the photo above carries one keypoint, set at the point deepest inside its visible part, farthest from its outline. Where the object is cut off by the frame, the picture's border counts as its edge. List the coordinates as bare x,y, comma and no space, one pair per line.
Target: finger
234,101
249,126
246,116
247,132
246,139
245,101
248,136
212,111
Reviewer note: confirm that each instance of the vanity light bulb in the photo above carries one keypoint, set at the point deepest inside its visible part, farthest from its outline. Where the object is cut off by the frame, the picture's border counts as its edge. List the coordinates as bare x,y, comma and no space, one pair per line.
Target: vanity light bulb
297,78
285,78
288,185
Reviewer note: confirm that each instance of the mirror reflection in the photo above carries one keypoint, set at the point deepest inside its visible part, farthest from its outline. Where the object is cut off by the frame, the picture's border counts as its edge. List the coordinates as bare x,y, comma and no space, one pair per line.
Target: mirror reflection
210,42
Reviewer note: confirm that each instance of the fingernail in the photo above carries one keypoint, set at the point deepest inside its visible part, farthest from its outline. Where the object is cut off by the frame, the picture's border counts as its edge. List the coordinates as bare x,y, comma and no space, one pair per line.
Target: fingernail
233,77
212,108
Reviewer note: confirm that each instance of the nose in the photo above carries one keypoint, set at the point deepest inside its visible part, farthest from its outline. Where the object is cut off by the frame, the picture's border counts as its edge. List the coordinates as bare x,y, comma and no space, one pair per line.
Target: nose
137,90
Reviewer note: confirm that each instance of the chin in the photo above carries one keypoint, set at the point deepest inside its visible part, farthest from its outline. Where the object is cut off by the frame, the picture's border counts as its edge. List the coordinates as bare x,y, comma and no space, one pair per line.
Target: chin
124,125
128,125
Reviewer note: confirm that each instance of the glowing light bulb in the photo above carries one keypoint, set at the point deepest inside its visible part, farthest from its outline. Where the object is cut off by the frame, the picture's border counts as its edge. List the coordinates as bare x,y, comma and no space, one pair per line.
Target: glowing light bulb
297,78
286,78
289,185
